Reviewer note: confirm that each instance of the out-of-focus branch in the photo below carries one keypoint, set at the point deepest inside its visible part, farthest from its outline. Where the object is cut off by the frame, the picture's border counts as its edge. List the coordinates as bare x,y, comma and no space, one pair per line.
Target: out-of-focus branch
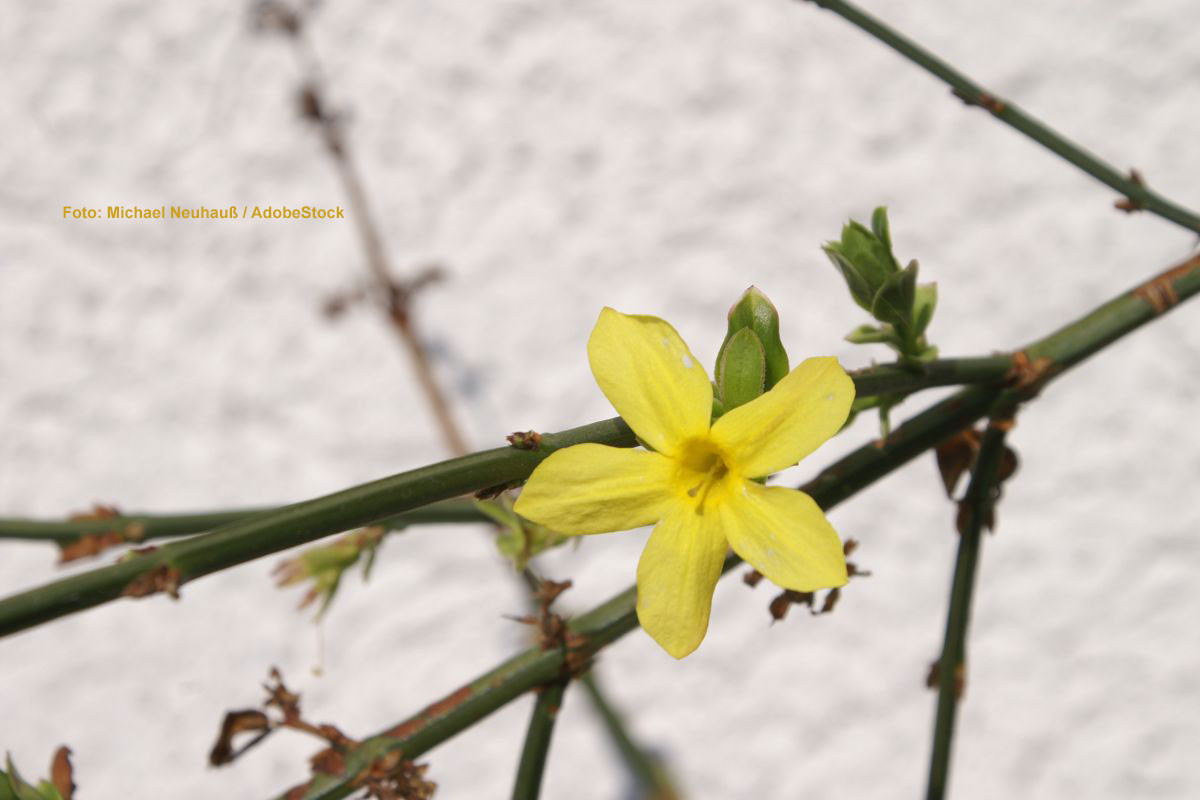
1136,195
392,295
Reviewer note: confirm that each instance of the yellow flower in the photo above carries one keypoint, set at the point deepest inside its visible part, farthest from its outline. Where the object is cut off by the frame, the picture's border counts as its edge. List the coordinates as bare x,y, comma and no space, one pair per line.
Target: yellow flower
697,484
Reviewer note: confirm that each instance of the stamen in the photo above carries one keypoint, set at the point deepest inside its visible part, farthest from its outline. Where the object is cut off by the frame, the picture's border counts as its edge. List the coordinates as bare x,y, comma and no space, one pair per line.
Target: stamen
714,476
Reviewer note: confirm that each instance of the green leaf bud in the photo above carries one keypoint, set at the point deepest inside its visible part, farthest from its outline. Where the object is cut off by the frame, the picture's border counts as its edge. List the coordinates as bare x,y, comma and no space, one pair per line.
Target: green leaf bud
864,257
924,304
871,334
893,302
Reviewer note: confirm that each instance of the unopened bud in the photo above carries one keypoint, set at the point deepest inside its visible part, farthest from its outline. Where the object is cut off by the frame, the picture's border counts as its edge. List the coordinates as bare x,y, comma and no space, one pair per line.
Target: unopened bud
752,358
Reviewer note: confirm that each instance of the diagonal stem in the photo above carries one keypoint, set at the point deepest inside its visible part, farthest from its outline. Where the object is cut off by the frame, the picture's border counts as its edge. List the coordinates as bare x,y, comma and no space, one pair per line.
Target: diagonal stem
528,784
1137,195
975,515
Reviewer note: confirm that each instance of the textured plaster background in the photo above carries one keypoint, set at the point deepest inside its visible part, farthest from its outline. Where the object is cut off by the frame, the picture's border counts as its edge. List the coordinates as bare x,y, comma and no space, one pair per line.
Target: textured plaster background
558,157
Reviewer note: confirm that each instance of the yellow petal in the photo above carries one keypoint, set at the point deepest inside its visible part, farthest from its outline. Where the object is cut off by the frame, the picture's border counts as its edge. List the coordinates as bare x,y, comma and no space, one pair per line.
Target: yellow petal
783,534
651,378
592,488
779,428
676,577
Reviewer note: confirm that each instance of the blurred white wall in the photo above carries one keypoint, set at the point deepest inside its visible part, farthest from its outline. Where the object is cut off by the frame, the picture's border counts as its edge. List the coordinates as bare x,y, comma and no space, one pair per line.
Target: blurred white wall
558,157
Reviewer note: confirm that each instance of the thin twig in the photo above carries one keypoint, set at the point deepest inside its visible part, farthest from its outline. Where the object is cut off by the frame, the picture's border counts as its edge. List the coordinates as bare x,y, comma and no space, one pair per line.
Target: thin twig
393,296
1135,193
137,528
975,515
528,785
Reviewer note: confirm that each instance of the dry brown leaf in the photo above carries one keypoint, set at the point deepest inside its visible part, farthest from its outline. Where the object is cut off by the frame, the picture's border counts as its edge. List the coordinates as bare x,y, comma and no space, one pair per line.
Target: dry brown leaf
236,722
62,773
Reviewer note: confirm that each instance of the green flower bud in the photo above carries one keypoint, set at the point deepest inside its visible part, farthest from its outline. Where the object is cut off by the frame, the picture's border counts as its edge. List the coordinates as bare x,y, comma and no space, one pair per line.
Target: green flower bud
741,369
753,312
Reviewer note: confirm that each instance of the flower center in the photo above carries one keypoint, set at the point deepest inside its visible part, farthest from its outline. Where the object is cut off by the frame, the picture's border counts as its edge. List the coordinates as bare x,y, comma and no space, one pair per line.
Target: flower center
702,475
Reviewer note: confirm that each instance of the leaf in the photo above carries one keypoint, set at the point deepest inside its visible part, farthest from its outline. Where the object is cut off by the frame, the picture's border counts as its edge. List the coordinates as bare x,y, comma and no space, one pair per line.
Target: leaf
879,225
325,565
519,539
894,301
924,303
17,786
862,290
871,334
6,789
47,791
237,722
955,456
741,369
925,353
62,773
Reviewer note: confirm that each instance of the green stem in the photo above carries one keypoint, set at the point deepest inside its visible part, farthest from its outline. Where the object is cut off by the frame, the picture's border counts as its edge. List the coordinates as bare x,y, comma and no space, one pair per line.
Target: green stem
975,515
138,528
1138,195
537,741
652,778
902,378
278,529
600,627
